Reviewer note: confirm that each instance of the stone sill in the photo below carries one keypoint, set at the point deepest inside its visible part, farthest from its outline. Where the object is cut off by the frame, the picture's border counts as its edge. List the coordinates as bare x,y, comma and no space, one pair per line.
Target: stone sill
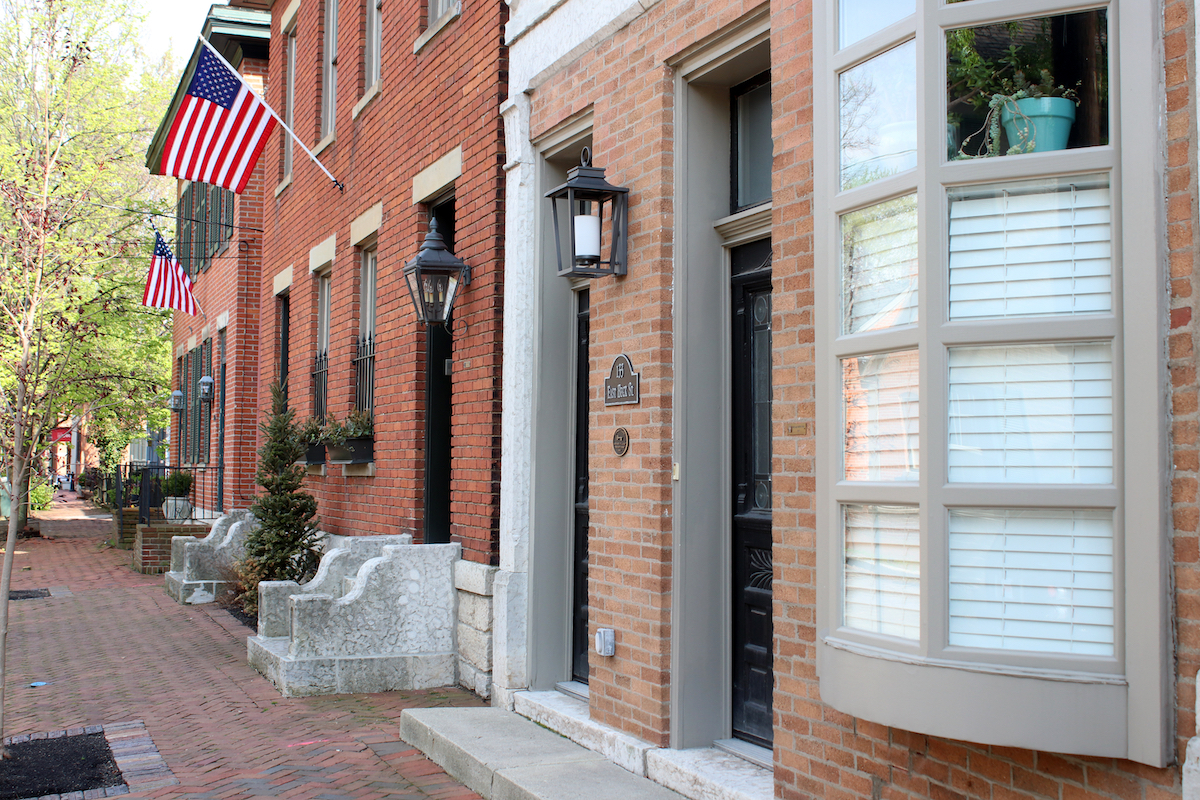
321,145
285,183
433,30
366,470
367,97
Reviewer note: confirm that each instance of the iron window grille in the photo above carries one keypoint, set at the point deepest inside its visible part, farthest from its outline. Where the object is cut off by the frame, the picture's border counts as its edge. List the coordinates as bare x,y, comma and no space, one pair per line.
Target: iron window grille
364,374
320,378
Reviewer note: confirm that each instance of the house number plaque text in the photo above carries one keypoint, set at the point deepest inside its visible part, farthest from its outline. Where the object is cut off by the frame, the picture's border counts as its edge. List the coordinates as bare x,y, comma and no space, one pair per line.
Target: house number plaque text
622,386
620,441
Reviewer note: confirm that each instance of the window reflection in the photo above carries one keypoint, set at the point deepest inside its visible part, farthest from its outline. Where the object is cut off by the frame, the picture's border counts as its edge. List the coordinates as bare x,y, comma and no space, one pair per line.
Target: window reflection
878,109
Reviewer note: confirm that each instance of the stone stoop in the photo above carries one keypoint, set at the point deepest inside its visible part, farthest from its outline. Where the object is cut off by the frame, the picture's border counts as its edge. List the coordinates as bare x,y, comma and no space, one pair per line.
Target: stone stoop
701,772
503,756
199,569
394,629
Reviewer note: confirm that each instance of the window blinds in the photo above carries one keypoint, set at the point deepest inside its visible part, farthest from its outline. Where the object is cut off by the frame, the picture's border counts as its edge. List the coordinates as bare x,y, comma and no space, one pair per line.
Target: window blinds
1032,579
882,591
1031,414
1031,249
879,266
881,409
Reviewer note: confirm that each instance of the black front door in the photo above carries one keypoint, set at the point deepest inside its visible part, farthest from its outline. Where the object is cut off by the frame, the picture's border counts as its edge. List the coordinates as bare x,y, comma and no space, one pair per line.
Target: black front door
438,354
579,602
753,678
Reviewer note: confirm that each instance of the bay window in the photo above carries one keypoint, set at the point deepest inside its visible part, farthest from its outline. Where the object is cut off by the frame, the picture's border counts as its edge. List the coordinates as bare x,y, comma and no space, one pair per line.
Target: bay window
990,375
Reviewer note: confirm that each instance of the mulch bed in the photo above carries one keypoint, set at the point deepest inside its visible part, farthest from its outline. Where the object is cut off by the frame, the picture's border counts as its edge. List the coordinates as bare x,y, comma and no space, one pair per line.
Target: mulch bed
238,613
58,766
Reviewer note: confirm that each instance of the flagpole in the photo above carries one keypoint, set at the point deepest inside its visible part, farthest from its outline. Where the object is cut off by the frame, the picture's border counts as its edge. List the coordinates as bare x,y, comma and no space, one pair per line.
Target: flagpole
341,186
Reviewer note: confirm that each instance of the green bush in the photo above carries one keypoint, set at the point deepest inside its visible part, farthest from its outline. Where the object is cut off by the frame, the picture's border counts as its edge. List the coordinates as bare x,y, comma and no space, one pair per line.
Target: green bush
177,484
40,497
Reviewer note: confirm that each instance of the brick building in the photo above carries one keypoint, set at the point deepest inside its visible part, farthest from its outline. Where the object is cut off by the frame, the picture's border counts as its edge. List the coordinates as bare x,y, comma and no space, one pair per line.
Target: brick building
908,505
398,101
218,240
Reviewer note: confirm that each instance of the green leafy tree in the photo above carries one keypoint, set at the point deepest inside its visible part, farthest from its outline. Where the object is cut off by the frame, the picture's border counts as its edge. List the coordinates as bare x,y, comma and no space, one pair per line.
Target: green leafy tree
286,544
78,104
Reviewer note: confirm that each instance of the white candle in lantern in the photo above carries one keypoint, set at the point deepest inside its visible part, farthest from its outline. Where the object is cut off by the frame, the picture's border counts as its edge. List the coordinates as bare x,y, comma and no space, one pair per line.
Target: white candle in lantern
587,238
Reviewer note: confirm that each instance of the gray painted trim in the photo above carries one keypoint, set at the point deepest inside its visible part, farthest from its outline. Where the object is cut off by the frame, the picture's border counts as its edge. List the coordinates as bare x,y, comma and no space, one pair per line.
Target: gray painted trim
1149,633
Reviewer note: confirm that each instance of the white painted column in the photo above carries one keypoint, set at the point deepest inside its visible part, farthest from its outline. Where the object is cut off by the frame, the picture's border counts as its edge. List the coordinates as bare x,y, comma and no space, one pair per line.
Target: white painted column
510,599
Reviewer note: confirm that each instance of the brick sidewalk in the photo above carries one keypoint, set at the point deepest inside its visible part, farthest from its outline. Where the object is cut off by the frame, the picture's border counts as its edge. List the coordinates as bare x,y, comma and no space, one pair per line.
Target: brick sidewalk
117,649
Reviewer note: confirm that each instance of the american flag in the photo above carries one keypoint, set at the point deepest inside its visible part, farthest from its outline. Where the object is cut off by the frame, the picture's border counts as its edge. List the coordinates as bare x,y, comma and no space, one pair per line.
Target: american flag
167,285
219,130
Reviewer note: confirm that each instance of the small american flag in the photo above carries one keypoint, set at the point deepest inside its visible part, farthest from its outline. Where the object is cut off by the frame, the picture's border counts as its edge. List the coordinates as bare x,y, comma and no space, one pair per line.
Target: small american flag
220,129
167,285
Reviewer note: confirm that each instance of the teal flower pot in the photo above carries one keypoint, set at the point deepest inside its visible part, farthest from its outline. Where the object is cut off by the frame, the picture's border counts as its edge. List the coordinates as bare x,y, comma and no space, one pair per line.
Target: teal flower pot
1038,124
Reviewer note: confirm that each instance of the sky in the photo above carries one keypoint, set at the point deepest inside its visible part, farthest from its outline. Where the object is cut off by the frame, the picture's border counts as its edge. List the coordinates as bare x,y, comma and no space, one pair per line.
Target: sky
173,23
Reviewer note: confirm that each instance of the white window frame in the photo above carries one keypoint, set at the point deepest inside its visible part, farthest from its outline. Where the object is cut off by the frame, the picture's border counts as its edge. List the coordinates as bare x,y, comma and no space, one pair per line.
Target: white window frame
289,105
372,57
324,310
329,65
1112,707
368,286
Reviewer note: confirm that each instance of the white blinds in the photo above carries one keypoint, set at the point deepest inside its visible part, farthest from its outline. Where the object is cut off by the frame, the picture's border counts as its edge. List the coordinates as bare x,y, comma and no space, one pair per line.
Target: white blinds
1036,579
883,570
881,411
1031,414
1031,249
879,266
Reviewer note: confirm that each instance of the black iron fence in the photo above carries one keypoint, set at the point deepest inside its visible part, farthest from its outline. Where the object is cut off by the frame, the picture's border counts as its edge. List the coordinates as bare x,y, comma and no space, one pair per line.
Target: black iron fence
320,377
364,374
154,493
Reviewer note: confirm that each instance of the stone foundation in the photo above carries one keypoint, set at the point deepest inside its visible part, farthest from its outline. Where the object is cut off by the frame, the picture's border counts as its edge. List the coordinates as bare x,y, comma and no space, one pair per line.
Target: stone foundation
473,583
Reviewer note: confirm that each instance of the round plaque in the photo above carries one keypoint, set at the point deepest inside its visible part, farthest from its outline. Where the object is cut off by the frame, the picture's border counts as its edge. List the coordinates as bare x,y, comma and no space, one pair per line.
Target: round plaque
621,441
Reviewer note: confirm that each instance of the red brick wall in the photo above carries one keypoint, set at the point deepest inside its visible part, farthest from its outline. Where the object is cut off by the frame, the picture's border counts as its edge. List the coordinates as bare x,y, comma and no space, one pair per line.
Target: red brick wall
230,285
152,545
429,103
818,751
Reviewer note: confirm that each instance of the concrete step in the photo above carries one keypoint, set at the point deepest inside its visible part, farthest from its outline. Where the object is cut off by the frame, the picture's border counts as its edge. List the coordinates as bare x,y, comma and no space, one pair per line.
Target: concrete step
503,756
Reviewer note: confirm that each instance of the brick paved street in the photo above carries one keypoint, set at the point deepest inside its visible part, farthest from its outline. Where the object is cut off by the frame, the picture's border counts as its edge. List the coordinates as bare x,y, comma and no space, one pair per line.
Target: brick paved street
117,649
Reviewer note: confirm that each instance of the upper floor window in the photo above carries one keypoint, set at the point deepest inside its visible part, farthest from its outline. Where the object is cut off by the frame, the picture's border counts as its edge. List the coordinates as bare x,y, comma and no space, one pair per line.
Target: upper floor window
374,42
204,219
750,141
439,8
289,103
329,64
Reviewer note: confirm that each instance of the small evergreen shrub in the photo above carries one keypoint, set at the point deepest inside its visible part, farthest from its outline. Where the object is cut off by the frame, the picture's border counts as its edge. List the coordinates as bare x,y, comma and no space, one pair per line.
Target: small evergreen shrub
285,546
177,484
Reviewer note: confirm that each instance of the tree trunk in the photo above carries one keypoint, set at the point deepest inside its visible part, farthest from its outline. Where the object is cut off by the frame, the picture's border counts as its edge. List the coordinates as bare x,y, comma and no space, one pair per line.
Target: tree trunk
20,475
20,502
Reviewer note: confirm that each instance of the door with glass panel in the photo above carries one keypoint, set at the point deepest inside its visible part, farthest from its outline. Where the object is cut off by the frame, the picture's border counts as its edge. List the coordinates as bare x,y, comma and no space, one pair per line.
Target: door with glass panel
753,678
579,601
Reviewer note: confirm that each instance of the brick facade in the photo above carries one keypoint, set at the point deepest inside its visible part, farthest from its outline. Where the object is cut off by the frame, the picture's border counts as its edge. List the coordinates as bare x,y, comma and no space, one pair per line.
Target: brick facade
818,752
152,545
427,104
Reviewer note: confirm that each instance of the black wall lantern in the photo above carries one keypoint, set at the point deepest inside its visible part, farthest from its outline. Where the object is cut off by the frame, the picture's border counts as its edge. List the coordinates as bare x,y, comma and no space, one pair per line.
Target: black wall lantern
206,389
586,186
176,401
434,278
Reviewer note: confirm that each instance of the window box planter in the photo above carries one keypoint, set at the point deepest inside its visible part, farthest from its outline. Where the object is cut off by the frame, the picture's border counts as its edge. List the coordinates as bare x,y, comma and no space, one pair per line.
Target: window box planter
352,451
315,455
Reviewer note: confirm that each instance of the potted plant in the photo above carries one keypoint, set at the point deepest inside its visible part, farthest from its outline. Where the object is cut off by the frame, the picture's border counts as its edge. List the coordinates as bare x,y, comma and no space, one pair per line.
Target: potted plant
311,432
176,487
352,441
1035,114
